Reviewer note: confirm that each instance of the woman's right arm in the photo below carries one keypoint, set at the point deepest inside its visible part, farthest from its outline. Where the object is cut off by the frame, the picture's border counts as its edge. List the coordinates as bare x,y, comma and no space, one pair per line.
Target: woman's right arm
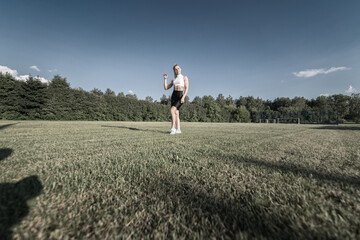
167,86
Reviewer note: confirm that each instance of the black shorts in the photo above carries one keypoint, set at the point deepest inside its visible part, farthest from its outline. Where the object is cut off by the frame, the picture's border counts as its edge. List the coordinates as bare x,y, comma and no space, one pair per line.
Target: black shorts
176,99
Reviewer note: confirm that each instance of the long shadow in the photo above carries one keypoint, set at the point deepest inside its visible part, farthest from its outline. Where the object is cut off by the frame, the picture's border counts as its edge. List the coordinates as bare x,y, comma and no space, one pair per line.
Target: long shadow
225,216
338,128
298,170
7,125
138,129
13,206
229,214
5,152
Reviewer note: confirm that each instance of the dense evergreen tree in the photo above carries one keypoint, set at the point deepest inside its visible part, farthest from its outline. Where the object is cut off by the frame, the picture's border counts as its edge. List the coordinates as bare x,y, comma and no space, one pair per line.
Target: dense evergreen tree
10,107
60,100
33,97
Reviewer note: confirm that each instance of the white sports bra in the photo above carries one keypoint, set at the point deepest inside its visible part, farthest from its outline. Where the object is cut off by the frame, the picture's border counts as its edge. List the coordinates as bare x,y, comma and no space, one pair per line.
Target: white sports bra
179,81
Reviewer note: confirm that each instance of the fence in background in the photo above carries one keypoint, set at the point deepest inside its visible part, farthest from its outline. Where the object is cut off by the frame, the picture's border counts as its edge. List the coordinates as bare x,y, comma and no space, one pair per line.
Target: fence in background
298,117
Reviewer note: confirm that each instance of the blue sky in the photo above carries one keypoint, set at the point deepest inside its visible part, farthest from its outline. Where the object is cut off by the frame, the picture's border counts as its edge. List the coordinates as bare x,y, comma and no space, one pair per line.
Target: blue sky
264,49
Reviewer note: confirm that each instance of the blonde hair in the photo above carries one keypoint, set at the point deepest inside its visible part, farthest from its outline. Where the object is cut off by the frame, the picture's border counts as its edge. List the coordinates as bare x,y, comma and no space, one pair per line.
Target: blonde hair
174,70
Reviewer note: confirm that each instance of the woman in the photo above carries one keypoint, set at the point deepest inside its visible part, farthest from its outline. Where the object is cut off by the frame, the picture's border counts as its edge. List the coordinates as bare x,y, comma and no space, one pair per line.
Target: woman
180,83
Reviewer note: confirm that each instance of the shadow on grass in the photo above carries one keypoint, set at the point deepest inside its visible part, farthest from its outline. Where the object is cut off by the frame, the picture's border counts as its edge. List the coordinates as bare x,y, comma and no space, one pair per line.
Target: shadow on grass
338,127
196,210
7,125
201,214
227,215
5,152
13,206
296,170
138,129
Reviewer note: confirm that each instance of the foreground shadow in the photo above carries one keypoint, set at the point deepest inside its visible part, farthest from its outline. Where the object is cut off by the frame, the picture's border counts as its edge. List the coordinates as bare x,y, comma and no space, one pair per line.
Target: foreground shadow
13,206
7,125
222,215
339,127
5,152
230,214
137,129
206,212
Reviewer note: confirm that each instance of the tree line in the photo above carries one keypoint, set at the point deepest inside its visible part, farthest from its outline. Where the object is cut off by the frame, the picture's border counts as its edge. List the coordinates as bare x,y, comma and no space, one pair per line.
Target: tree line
32,99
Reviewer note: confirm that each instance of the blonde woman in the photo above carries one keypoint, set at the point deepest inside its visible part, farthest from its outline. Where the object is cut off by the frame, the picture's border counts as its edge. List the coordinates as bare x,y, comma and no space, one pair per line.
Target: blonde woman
180,84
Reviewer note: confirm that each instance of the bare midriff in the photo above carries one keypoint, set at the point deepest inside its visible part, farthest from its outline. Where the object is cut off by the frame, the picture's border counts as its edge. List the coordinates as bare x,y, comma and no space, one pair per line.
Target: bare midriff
178,88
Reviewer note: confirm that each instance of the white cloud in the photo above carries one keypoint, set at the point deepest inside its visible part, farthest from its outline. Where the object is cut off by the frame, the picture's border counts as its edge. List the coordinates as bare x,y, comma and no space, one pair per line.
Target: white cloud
4,70
313,72
52,70
15,74
131,92
23,78
35,68
324,95
43,80
350,90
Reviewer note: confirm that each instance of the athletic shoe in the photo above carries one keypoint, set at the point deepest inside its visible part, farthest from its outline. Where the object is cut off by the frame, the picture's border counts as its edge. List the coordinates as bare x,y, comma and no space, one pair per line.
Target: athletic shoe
178,131
173,131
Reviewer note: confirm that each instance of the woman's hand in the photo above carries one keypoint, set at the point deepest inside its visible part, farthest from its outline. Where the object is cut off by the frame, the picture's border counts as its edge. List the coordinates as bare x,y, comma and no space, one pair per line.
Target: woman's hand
165,76
182,100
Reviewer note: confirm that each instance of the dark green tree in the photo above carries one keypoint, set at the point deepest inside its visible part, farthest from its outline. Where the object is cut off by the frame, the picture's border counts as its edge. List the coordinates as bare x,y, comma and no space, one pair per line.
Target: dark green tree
60,100
354,107
10,99
149,99
340,104
211,108
34,96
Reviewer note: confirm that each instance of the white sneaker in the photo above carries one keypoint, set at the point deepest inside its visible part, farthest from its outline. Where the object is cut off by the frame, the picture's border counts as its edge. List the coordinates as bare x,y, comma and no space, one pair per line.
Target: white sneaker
178,131
172,131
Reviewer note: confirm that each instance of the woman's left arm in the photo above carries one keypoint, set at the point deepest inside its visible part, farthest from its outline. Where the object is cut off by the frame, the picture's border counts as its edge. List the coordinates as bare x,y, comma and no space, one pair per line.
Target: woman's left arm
186,83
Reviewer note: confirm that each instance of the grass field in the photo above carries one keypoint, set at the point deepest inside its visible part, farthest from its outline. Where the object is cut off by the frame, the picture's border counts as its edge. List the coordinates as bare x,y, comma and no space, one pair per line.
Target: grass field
120,180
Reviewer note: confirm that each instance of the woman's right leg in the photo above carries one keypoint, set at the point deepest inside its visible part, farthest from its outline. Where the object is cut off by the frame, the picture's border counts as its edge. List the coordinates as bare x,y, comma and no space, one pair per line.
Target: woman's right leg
173,116
177,119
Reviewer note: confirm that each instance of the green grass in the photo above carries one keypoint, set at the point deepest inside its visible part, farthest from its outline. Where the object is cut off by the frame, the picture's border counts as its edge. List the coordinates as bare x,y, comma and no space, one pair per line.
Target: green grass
118,180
